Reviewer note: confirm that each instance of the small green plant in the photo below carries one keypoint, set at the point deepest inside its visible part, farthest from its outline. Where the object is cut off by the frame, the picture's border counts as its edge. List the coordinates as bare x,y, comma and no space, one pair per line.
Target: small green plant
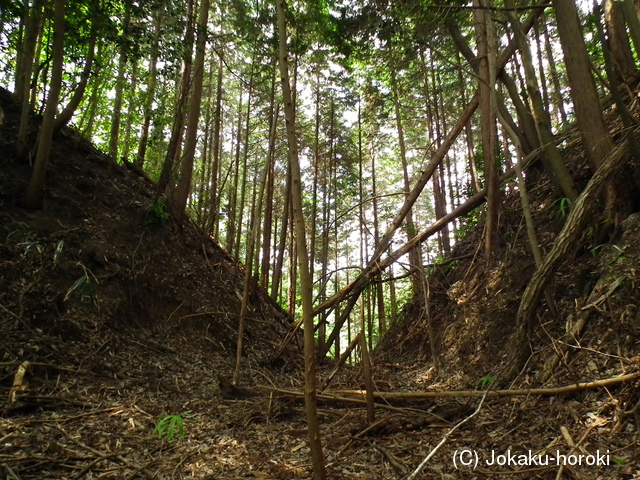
157,213
563,206
485,382
85,286
29,246
58,252
620,461
594,251
168,426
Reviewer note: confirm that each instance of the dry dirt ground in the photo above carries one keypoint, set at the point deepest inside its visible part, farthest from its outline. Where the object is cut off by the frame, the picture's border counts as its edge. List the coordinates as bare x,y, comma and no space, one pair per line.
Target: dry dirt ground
117,334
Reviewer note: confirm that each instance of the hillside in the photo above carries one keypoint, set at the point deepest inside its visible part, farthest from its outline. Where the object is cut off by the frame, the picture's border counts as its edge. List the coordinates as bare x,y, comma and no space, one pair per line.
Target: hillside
122,317
472,306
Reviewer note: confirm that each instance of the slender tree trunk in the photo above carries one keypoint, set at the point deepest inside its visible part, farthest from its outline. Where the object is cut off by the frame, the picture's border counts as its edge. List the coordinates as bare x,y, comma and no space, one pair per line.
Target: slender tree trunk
152,80
32,21
473,169
633,22
277,269
268,209
120,83
131,110
415,257
245,157
555,78
183,187
96,87
595,134
214,199
32,28
33,196
382,317
292,291
431,103
486,40
250,283
552,158
184,86
67,113
233,191
624,65
303,258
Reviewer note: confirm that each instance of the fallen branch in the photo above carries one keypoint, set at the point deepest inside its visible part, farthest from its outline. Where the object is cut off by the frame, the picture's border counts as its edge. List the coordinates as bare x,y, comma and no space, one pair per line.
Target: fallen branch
495,393
446,437
394,461
340,399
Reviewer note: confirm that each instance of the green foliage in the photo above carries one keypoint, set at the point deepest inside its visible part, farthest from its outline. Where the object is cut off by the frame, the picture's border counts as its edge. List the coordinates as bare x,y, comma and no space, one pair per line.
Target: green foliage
563,205
157,213
30,246
168,426
58,252
25,239
485,382
85,287
468,222
620,461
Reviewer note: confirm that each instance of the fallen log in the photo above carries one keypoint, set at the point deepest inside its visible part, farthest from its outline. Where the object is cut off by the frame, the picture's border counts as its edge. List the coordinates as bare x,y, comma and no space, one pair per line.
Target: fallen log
551,391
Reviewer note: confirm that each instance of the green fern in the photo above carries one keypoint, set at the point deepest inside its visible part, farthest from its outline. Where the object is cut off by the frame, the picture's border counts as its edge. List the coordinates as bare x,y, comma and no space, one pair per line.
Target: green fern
168,427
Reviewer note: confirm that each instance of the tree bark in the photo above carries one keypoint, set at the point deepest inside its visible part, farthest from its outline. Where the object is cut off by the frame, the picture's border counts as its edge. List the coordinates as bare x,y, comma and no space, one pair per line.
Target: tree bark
33,196
67,113
624,65
415,257
594,131
183,187
120,83
310,393
485,35
183,84
552,158
32,28
151,91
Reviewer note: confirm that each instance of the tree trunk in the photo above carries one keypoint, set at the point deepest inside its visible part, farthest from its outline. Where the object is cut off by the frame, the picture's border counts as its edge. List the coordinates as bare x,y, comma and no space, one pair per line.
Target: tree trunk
216,144
120,83
555,78
67,113
233,190
633,22
152,79
267,231
250,282
183,187
552,158
594,131
183,83
485,35
624,65
303,258
415,258
277,269
32,27
33,196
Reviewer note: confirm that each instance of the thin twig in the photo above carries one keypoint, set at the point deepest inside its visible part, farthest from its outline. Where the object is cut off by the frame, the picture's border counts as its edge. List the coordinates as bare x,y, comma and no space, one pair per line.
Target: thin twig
446,437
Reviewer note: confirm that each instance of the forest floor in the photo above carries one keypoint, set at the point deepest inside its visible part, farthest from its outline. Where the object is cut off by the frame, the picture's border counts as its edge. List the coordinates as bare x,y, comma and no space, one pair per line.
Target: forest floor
118,334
